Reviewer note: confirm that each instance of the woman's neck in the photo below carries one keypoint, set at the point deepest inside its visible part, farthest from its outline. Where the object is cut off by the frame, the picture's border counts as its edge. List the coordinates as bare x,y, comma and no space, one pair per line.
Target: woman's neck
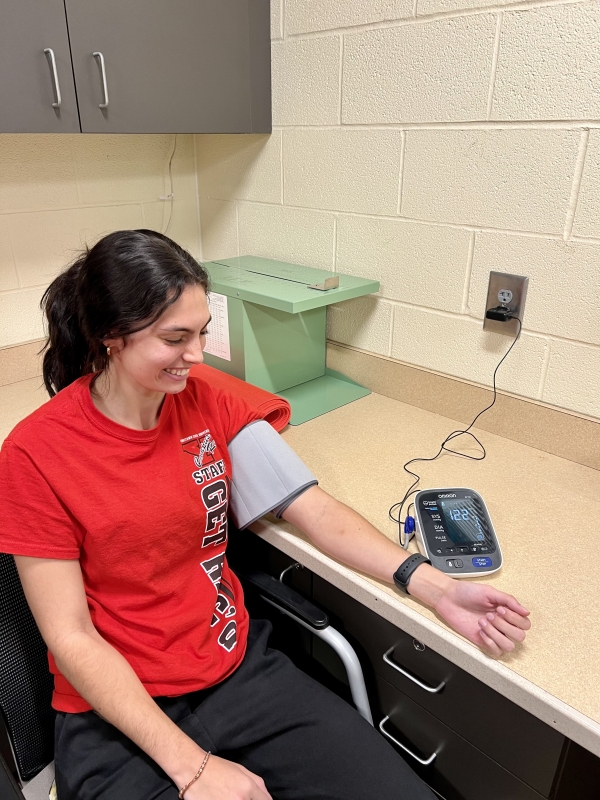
125,402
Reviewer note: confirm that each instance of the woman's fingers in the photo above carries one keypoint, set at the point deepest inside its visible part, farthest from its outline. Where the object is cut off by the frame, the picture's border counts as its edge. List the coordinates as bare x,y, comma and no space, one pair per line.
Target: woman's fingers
502,630
513,632
513,618
490,630
512,604
489,644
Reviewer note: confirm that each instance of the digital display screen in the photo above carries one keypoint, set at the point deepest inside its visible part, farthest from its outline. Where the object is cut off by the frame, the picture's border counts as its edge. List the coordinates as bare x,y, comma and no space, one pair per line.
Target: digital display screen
455,529
462,522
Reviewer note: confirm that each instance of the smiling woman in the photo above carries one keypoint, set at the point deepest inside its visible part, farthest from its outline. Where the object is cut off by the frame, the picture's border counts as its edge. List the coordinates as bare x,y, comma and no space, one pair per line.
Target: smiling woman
115,503
119,288
149,363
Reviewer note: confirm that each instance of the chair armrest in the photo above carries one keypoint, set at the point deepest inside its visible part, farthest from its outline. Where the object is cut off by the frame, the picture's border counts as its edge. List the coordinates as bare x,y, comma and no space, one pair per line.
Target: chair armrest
286,597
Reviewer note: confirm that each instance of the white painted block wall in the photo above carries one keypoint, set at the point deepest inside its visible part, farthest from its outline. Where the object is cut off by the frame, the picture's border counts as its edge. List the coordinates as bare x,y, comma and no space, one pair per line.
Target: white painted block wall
424,143
60,192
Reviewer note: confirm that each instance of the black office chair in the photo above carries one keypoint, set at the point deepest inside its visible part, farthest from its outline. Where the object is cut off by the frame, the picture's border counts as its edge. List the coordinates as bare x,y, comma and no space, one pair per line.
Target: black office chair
26,751
27,737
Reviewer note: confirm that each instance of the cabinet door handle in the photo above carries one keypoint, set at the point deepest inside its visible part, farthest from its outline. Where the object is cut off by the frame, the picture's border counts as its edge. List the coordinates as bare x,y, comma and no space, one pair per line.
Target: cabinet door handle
424,761
430,689
50,56
100,59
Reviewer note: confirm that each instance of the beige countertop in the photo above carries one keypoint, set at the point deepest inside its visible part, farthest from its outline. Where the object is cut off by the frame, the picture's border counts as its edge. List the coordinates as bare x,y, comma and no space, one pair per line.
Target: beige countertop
357,452
551,556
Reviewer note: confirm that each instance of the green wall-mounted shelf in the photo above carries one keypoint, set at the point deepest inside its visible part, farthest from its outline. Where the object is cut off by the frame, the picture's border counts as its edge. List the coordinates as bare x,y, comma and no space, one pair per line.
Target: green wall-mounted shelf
274,324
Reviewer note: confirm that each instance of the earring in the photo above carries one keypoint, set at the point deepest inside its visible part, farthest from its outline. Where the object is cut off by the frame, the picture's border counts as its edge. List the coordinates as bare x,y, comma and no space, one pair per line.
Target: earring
108,351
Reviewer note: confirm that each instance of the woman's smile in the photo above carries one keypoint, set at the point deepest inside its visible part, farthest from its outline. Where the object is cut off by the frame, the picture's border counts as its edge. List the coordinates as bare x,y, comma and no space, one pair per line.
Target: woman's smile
178,374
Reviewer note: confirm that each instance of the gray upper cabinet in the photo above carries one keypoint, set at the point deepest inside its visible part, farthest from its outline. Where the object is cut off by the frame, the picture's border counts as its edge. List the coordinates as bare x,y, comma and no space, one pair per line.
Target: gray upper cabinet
37,93
169,66
140,66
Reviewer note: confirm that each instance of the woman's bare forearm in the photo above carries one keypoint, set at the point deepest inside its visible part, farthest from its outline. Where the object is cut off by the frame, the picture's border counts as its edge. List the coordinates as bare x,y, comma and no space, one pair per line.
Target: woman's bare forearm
491,619
55,593
345,535
106,680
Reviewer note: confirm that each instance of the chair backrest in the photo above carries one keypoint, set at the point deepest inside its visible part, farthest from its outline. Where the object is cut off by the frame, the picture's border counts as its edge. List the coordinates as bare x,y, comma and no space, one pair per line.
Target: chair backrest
25,679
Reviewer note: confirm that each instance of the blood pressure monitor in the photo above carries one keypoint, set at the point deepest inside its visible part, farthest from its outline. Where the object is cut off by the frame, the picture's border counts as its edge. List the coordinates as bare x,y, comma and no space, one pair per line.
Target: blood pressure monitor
455,532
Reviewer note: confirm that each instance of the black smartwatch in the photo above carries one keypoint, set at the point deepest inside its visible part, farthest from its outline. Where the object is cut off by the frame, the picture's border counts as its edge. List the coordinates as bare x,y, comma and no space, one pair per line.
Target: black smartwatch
406,569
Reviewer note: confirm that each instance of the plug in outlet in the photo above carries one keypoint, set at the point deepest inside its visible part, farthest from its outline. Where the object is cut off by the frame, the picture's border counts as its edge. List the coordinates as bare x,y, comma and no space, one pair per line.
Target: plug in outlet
508,291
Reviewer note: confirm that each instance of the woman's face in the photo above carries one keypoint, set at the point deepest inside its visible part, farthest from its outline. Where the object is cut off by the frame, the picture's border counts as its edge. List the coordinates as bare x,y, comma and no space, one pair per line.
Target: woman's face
159,358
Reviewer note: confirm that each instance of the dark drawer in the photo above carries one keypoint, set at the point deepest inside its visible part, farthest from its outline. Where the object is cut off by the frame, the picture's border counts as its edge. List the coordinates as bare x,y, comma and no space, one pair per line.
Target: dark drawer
458,771
579,776
517,740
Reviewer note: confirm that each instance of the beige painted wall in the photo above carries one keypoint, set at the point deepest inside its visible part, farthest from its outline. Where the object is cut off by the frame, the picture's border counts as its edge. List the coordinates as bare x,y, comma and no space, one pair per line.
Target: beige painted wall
424,143
59,192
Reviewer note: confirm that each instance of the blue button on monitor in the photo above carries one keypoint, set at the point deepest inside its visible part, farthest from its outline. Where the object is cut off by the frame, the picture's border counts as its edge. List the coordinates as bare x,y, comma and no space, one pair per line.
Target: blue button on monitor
482,561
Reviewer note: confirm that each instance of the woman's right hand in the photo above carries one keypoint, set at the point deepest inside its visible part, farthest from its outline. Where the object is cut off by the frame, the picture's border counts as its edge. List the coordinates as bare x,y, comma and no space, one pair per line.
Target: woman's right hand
224,780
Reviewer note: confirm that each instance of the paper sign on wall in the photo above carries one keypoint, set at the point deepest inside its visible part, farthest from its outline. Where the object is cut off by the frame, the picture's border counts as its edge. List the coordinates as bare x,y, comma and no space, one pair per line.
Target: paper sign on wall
217,338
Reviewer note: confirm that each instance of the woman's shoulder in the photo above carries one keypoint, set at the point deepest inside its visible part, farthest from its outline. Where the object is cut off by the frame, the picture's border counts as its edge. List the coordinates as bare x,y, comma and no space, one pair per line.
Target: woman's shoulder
197,384
53,414
197,389
202,396
232,410
202,391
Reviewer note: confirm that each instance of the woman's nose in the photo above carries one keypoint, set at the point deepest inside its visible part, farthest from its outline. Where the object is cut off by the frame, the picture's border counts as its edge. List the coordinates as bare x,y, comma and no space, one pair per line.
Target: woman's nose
193,352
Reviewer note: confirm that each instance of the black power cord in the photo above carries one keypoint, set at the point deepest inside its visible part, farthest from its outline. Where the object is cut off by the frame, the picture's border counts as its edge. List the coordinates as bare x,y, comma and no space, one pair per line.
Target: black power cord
500,314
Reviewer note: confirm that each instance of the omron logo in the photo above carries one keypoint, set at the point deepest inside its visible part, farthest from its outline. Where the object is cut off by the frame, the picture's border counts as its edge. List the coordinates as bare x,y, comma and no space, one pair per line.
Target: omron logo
446,495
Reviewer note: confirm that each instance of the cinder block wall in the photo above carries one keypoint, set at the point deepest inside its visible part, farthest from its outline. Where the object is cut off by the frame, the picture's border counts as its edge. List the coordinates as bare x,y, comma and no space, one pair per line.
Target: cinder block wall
59,192
424,143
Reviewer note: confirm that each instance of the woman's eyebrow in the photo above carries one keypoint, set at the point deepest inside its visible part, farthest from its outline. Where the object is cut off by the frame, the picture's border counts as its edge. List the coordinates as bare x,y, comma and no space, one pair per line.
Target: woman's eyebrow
173,328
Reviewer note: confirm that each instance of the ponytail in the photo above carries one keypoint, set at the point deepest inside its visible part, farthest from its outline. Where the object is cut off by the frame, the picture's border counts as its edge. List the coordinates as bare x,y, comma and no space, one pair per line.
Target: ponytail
66,352
121,285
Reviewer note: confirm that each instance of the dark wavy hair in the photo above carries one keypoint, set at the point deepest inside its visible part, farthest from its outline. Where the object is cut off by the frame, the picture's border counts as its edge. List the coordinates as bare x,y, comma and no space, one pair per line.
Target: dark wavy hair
118,287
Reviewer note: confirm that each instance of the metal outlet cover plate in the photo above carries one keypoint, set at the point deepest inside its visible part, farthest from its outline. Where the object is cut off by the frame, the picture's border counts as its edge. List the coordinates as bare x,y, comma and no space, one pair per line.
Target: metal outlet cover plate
509,290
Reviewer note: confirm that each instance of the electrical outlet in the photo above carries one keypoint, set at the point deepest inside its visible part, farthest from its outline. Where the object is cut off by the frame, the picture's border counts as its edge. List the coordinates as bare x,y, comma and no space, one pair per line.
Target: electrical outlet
508,291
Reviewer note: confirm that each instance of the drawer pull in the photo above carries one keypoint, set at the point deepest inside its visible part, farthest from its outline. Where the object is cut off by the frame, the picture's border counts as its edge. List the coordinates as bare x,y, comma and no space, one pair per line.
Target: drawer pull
424,761
52,60
430,689
100,59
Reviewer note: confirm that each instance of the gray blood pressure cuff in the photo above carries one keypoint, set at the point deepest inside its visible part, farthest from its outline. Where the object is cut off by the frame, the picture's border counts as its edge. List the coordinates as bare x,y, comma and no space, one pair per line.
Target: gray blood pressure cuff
267,474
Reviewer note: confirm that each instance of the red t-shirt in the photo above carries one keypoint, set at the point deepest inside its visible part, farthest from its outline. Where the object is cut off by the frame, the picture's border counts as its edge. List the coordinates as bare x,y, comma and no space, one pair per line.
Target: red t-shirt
145,512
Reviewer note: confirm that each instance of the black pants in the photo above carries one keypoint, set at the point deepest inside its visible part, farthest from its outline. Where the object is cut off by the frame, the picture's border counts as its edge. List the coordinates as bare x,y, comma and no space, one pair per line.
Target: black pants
303,740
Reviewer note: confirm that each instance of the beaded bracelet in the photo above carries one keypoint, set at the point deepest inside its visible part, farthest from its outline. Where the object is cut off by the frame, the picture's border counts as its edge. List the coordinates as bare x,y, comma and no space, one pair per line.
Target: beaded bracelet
195,778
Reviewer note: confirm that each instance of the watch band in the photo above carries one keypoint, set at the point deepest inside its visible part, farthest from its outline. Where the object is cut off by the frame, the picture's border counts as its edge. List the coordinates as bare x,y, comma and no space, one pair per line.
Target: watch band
406,569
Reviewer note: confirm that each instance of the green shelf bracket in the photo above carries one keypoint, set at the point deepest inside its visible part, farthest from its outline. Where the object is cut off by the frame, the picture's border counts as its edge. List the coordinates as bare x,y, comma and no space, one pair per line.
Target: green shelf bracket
317,397
275,322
